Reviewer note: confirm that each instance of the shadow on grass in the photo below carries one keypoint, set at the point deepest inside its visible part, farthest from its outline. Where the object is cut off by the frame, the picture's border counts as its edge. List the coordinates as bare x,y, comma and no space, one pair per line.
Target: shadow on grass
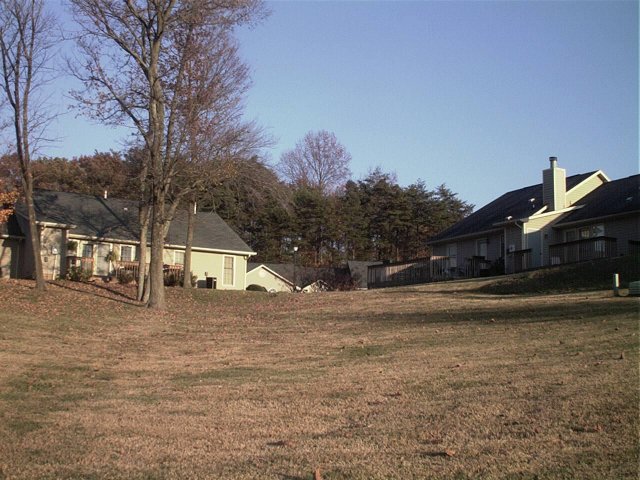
580,312
109,294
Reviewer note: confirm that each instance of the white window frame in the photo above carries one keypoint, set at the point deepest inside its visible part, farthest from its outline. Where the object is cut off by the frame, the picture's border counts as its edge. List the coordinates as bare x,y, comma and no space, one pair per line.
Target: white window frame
453,258
233,270
175,261
93,250
131,256
485,242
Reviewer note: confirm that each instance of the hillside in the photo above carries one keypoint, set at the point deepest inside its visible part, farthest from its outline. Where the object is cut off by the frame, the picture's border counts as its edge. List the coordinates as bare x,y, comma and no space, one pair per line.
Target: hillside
435,381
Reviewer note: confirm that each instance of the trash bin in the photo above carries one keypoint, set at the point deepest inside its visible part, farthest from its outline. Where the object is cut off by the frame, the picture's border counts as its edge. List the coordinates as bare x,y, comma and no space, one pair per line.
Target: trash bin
211,283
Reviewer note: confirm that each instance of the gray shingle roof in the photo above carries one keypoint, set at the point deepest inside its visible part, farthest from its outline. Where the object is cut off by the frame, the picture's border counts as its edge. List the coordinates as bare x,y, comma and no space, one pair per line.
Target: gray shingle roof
117,219
612,198
515,204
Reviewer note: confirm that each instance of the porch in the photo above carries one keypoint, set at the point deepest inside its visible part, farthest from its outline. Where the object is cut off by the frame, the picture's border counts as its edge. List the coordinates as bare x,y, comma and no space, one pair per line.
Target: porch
582,250
126,271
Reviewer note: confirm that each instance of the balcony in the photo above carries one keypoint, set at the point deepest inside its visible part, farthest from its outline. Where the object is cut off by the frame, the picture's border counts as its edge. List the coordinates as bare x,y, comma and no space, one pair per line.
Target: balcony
582,250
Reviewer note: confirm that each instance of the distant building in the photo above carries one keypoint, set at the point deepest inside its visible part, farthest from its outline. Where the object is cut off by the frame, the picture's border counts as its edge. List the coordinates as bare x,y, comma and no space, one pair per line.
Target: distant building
561,220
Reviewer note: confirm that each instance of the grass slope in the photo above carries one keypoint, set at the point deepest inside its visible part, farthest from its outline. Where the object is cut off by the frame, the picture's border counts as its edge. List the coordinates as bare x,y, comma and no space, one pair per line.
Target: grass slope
593,275
436,381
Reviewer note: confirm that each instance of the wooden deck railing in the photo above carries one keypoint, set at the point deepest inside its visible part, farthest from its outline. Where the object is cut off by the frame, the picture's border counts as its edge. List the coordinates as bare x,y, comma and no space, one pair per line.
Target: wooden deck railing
582,250
84,263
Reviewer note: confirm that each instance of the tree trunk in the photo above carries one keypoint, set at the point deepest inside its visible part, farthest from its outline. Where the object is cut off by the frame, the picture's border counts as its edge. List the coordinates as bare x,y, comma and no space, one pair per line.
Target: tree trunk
34,232
142,255
191,218
156,272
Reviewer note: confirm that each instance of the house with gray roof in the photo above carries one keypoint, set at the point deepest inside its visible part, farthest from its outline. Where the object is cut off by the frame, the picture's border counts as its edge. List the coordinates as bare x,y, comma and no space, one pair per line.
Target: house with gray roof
535,226
102,234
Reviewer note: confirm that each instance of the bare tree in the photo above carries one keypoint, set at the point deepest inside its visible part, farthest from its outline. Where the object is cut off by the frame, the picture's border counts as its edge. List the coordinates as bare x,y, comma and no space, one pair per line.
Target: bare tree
26,46
135,66
318,161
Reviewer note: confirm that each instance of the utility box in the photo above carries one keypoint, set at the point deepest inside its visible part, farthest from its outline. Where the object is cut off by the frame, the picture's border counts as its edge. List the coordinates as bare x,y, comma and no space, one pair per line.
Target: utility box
211,283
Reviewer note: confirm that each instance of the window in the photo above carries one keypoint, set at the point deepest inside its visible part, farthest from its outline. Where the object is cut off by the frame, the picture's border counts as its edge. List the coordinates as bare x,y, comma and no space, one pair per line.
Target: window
227,277
178,257
452,253
87,251
126,253
592,231
597,230
584,232
481,248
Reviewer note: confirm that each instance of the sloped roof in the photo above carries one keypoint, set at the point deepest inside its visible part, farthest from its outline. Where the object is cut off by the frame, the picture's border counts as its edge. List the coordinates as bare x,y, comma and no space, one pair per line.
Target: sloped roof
251,266
515,204
117,219
285,270
612,198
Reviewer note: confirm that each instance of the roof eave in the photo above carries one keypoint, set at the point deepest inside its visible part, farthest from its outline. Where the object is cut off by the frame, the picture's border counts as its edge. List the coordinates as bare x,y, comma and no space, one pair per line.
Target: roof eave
595,219
463,237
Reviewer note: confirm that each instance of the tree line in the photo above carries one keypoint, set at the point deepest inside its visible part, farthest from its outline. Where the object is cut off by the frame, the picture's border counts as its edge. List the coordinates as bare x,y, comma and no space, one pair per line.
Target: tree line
373,218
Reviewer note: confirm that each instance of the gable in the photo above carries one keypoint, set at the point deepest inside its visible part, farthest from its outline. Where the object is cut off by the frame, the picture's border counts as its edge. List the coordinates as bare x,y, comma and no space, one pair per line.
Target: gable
617,197
514,205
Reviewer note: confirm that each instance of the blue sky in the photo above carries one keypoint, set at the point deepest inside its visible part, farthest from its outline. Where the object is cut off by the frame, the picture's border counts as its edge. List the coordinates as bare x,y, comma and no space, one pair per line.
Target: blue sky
476,95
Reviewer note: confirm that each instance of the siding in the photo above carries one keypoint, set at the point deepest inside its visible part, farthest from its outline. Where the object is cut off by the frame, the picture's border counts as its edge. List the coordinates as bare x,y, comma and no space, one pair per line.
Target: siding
584,188
264,278
52,240
10,257
211,264
543,225
623,229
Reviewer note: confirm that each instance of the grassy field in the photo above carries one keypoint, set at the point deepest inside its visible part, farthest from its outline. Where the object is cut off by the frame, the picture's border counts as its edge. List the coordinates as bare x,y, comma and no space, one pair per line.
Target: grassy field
439,381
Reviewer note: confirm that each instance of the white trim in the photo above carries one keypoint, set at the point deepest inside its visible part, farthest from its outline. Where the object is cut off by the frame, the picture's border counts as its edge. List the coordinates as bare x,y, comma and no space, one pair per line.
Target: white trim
248,253
554,212
11,237
233,270
597,173
55,225
183,257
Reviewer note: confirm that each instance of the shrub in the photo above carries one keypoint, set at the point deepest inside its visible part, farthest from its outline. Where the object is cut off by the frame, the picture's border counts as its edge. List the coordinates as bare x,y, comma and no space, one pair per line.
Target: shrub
256,288
125,276
77,274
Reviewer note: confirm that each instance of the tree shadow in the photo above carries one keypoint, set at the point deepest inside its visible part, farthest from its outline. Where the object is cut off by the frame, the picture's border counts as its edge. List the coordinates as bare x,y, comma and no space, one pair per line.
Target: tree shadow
109,294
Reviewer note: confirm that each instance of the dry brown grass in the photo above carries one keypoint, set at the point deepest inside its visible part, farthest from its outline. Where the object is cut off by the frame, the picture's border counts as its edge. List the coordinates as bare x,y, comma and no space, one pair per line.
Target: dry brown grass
423,382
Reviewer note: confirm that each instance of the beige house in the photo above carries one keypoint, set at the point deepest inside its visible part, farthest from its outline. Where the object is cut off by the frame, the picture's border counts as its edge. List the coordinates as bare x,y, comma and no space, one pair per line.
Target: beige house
100,235
263,276
536,225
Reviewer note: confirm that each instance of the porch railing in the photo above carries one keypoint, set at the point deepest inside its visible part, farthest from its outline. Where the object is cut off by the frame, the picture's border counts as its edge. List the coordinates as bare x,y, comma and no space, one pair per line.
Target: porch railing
582,250
521,260
84,263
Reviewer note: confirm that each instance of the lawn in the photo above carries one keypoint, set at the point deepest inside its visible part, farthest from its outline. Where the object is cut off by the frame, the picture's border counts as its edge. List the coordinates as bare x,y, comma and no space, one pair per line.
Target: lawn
439,381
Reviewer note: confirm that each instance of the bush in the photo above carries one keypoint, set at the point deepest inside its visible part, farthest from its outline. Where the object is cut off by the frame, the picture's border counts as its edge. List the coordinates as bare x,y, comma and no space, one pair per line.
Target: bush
176,279
77,274
256,288
125,276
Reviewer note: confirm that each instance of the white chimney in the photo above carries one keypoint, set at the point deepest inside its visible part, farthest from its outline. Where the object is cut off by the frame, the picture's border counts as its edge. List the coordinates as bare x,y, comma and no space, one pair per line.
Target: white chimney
554,186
